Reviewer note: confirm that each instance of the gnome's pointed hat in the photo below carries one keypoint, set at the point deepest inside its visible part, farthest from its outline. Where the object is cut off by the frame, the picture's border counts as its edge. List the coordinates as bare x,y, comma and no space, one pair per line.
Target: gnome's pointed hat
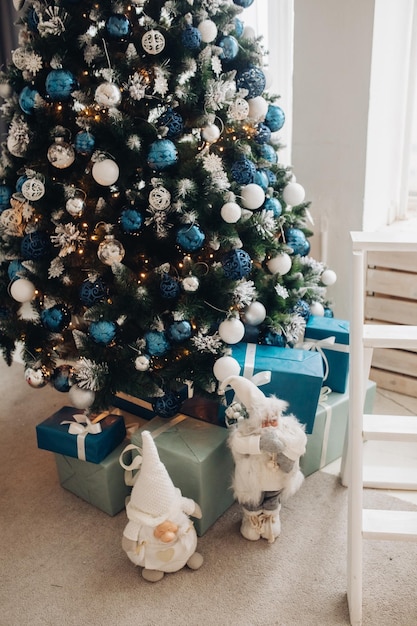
247,392
154,497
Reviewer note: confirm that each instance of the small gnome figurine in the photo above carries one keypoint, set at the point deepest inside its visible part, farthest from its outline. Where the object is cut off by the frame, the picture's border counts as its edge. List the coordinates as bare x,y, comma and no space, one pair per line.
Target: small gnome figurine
159,535
266,447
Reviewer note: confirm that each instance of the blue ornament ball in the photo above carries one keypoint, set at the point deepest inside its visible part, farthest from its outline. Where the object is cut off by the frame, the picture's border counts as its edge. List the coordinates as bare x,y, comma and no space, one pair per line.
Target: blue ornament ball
173,122
275,118
169,287
252,334
20,181
271,338
328,312
296,239
16,270
243,171
274,205
32,20
61,378
157,343
35,245
191,38
261,179
239,27
272,179
229,46
103,332
168,405
5,195
190,237
267,152
237,264
92,292
243,3
263,133
302,308
162,154
118,27
60,84
130,220
179,331
84,142
27,99
56,318
252,79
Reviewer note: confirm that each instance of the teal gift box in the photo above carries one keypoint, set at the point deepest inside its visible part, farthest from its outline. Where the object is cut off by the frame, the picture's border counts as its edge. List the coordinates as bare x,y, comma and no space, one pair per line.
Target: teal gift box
325,443
62,433
198,460
296,376
101,484
331,336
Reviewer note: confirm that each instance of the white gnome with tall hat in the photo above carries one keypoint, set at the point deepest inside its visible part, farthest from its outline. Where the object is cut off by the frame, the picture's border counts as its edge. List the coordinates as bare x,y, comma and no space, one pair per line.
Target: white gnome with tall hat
266,446
159,535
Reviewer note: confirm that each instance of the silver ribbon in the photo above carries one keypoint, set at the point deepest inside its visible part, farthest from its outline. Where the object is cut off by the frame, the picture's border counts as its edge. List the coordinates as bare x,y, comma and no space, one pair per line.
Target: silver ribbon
82,427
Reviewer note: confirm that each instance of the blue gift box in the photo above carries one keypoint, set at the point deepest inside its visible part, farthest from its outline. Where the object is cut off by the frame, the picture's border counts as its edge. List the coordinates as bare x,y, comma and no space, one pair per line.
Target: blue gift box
54,435
331,336
296,376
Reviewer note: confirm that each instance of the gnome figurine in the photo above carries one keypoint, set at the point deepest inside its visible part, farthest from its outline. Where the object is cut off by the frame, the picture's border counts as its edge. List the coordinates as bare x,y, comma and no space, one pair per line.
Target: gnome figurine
266,447
159,535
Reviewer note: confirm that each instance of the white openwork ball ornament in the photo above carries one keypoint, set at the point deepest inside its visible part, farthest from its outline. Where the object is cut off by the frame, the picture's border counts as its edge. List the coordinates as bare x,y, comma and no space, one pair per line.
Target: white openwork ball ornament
280,264
224,367
208,31
159,198
153,42
105,172
328,277
255,313
293,194
81,398
108,95
239,109
22,290
231,330
316,308
252,196
11,220
33,189
231,212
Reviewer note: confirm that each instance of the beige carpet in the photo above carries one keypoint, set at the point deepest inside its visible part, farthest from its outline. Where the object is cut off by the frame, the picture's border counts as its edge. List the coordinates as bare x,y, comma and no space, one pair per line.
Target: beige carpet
62,564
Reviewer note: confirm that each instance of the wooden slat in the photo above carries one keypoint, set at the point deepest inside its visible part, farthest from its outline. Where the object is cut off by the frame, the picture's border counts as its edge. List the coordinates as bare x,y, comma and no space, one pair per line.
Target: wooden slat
389,525
399,361
392,283
406,261
391,310
390,427
390,477
394,382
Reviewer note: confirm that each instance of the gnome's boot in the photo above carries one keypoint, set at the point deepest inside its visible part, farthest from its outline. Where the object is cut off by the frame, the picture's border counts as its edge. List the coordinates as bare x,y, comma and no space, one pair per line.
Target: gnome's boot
195,561
252,524
271,524
152,575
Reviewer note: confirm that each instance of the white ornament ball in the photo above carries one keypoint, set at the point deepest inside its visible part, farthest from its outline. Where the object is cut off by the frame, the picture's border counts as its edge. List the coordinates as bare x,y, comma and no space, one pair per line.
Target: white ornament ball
105,172
81,398
239,109
18,4
255,313
316,308
19,58
160,198
249,33
269,79
280,264
5,90
22,290
210,133
293,194
108,95
190,284
153,42
16,146
253,196
231,212
258,108
328,277
75,206
142,363
208,31
33,189
231,330
226,366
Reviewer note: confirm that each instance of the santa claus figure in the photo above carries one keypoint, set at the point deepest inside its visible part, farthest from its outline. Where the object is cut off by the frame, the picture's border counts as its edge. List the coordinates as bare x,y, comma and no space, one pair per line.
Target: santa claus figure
159,536
266,446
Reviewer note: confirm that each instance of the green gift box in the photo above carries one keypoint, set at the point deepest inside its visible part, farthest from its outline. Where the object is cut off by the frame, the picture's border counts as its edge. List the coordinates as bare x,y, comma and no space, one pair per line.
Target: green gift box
198,460
101,484
325,443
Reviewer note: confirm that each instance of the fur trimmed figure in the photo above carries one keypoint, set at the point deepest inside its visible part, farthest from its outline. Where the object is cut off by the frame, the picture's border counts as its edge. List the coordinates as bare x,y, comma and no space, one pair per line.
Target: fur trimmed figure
266,446
159,535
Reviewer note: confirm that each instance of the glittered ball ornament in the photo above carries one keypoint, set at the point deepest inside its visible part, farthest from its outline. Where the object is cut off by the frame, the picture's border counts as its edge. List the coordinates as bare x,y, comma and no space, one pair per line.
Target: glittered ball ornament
224,367
35,245
103,332
275,118
263,133
22,290
142,363
253,80
172,121
302,308
37,377
237,264
252,196
328,312
33,189
191,38
108,95
118,27
5,195
271,338
273,205
105,172
159,198
84,142
61,154
169,287
316,308
280,264
231,212
255,313
229,46
239,109
162,154
210,133
179,331
208,31
296,240
61,378
130,221
243,171
328,277
93,291
157,343
81,398
56,318
231,331
268,153
293,194
27,100
110,251
190,237
153,42
168,405
60,84
257,108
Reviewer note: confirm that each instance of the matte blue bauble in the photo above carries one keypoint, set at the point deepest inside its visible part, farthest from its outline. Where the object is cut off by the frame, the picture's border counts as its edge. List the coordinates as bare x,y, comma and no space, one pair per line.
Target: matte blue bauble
252,79
274,205
328,312
131,220
61,378
243,3
239,27
191,38
296,239
92,292
168,405
267,152
173,122
275,117
60,84
118,27
5,195
84,142
20,181
157,343
16,270
252,334
162,154
261,179
179,331
56,318
263,133
103,332
169,287
243,171
229,46
190,237
237,264
27,99
35,245
302,308
270,338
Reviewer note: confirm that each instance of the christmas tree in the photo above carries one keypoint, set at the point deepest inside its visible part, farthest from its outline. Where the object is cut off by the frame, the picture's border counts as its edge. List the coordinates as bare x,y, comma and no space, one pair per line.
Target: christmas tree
146,222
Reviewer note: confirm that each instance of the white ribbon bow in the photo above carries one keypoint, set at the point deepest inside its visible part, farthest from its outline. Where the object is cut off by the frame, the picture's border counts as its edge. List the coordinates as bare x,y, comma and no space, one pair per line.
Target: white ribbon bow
318,345
324,394
82,427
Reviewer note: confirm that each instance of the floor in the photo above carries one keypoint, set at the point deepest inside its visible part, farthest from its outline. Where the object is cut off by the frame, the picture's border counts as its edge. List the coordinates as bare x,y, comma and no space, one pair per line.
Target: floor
389,453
